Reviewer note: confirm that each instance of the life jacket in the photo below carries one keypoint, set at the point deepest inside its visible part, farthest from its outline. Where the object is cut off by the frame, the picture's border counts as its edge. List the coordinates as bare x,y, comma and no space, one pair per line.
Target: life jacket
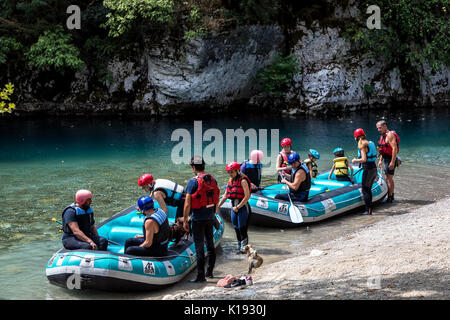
372,154
314,167
162,237
340,166
235,190
285,162
384,147
85,219
173,191
305,185
253,172
207,194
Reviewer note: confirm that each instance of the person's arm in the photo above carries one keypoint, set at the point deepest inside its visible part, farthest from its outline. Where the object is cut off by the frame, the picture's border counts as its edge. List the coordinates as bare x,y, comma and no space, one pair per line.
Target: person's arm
393,143
223,199
299,178
247,194
381,161
363,158
151,227
160,196
187,211
80,234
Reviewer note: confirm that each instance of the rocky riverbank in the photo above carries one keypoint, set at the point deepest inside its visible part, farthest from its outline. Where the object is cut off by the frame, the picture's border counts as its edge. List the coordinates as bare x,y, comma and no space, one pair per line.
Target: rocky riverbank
404,256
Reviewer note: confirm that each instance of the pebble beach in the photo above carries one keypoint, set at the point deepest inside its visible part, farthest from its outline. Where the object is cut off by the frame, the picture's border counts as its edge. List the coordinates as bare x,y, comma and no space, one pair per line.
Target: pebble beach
404,256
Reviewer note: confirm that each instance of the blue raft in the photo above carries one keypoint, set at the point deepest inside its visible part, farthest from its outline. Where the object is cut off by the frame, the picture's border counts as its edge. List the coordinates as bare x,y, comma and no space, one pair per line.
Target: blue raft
327,198
112,270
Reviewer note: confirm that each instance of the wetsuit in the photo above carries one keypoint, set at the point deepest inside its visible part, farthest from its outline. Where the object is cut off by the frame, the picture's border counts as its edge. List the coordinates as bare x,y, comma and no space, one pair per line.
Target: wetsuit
369,174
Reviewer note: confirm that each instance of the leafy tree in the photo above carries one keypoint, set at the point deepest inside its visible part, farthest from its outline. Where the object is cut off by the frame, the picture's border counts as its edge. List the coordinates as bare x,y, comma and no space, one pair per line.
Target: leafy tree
7,45
276,78
54,50
124,13
5,95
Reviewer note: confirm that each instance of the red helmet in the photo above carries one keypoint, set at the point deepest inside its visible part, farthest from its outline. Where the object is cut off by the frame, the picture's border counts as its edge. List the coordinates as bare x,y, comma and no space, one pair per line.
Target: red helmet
146,178
233,165
359,132
286,142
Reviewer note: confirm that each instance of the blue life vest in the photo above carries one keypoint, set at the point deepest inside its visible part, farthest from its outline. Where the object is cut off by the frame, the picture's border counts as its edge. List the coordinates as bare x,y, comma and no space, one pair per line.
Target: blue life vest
372,154
305,185
162,237
253,172
85,219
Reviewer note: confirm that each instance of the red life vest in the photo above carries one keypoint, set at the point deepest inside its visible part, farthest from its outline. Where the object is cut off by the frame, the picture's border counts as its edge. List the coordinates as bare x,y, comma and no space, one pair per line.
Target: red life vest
235,190
384,147
207,194
285,162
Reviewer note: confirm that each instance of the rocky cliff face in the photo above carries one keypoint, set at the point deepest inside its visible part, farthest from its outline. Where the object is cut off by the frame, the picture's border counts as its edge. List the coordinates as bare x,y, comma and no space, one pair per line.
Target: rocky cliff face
212,73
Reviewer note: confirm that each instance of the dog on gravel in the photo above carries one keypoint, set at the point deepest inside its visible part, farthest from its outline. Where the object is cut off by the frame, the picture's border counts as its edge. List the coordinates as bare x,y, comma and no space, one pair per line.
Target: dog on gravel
254,260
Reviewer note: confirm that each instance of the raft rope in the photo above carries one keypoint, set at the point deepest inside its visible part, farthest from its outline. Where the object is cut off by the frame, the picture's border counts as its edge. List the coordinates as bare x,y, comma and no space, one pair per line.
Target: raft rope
117,258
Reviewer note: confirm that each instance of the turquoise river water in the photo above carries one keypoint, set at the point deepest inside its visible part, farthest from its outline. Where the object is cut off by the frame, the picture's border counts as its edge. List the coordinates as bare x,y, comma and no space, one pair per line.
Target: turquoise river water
44,162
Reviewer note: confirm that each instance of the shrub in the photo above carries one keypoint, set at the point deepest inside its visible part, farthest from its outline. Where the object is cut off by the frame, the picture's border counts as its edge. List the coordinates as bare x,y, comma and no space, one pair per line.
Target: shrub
276,78
54,50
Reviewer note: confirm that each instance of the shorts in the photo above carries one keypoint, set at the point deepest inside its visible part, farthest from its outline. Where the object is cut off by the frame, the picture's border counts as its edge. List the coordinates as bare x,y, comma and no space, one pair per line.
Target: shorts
386,162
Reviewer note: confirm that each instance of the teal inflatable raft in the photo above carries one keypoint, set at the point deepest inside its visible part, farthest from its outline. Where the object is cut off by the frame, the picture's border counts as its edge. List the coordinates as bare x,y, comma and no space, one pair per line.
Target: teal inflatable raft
327,198
112,270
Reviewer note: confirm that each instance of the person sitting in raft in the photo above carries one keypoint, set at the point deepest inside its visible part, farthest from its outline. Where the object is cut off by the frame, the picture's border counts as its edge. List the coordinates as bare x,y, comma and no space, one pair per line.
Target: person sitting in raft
238,191
340,166
313,155
78,225
282,159
165,192
155,232
252,169
299,182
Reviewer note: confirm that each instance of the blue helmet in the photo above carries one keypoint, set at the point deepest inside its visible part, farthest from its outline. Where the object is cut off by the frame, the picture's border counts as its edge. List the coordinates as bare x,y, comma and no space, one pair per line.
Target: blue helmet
145,203
338,152
314,153
293,157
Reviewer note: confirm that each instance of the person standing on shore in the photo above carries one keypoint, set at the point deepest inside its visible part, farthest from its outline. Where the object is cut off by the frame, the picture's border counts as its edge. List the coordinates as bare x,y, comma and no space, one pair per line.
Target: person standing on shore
367,154
388,146
238,192
202,198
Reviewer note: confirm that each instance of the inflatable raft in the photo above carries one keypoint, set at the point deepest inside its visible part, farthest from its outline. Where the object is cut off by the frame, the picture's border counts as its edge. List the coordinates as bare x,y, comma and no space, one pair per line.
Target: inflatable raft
327,198
112,270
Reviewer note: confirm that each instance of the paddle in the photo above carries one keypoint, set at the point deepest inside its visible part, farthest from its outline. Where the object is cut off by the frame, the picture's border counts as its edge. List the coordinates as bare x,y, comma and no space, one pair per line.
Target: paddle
294,212
110,241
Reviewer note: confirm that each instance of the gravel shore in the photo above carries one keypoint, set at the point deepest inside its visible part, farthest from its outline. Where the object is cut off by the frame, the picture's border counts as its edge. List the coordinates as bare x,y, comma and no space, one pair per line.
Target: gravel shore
404,256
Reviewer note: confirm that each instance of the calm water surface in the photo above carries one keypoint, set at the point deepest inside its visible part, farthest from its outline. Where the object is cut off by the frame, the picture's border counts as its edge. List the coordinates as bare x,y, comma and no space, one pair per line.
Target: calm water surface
44,162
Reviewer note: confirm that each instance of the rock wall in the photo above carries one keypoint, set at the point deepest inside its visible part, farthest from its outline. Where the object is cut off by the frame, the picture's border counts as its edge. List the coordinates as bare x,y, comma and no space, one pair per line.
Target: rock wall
210,74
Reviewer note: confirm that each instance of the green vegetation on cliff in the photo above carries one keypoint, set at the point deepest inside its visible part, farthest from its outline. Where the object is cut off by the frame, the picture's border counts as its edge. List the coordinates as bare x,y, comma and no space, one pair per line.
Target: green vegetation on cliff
34,37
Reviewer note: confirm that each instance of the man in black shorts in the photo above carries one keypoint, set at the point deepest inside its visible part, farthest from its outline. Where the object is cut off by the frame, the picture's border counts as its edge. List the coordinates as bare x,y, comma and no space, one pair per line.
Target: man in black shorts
388,146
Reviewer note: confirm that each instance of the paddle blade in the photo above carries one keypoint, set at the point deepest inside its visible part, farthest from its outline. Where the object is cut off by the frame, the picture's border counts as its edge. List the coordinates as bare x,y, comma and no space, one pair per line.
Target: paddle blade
295,215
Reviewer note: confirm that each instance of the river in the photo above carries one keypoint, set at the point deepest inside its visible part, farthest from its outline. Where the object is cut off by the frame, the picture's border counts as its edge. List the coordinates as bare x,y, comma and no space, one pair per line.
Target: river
43,162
